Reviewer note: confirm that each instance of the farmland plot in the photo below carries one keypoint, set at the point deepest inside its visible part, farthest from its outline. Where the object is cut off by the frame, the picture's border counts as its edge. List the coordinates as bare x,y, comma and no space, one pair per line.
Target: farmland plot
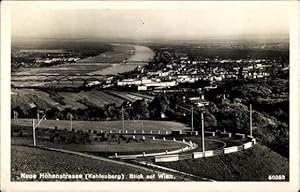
125,96
98,98
100,95
60,100
71,100
148,97
24,97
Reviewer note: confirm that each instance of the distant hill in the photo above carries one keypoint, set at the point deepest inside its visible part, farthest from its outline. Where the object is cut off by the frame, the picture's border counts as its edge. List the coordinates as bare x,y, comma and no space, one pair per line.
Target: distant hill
254,164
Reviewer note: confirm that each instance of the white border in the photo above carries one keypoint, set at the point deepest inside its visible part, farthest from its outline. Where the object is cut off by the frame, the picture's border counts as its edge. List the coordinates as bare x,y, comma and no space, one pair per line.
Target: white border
6,185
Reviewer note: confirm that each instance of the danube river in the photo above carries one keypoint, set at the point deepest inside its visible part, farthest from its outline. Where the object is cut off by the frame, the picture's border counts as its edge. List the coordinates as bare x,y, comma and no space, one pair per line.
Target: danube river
142,55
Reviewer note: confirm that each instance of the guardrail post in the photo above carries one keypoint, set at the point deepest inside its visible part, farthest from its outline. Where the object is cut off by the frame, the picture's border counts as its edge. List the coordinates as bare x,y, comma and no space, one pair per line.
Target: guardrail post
116,155
153,138
164,138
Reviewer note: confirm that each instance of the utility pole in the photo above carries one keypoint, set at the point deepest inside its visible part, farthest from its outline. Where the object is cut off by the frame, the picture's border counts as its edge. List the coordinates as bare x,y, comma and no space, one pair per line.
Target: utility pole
250,120
202,126
192,119
123,119
34,126
33,132
142,126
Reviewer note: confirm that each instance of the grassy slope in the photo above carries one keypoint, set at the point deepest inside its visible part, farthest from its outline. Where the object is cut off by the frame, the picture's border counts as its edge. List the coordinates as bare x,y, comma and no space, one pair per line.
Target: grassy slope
253,164
109,125
29,160
148,146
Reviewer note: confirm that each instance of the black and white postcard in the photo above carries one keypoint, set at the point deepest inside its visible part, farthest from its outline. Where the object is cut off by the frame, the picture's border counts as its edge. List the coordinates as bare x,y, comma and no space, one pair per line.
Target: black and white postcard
149,96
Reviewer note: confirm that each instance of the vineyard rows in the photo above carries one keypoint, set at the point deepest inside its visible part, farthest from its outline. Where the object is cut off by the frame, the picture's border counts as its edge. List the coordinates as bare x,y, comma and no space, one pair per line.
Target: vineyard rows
28,98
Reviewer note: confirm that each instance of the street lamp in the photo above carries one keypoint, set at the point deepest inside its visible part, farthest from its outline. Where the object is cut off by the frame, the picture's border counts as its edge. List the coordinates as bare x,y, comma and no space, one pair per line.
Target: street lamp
250,111
123,119
202,126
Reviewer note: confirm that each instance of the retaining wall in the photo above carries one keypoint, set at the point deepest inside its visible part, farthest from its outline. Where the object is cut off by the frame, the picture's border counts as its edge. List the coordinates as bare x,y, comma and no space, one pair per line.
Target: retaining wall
166,158
190,146
230,149
210,153
175,155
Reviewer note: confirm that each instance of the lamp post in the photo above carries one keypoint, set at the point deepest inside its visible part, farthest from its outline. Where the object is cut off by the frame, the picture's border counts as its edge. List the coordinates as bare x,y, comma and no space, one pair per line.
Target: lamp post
33,132
123,119
142,124
71,125
202,126
192,118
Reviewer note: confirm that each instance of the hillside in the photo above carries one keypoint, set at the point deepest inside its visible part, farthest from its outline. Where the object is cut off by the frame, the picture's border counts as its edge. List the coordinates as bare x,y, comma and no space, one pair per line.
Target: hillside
115,126
34,161
254,164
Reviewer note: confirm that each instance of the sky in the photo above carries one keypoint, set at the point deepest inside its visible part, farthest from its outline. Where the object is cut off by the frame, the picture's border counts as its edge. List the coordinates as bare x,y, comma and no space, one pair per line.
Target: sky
167,24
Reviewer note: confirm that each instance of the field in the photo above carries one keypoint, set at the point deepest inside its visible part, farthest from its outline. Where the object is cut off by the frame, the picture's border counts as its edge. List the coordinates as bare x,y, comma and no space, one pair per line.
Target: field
109,125
253,164
24,97
128,96
34,161
63,69
117,68
41,50
105,148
